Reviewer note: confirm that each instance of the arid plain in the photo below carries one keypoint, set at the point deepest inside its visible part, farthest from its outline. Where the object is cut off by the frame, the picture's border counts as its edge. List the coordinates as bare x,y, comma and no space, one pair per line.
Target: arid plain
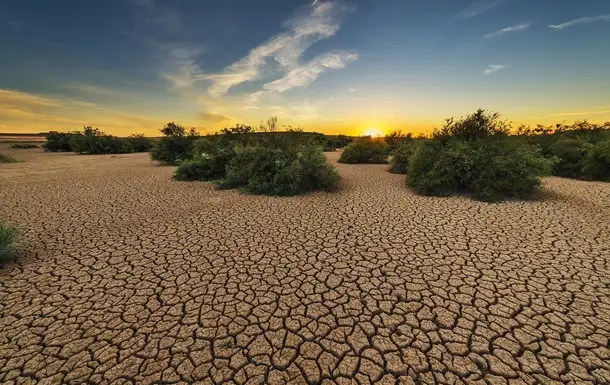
127,276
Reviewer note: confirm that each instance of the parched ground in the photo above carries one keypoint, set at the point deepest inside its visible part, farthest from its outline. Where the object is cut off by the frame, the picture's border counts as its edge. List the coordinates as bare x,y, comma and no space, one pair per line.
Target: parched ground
129,277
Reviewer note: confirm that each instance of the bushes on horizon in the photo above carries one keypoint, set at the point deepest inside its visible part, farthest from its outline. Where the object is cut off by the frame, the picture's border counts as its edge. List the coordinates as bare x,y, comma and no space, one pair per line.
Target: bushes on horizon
5,158
58,141
596,164
475,155
365,150
139,142
176,145
399,164
570,145
24,146
93,141
7,237
282,170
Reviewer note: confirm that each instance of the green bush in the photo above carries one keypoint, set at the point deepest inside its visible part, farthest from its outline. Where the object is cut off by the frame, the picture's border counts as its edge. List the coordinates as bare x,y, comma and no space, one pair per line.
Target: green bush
395,139
139,142
4,158
24,146
596,165
174,146
280,170
401,157
478,125
570,152
467,157
209,163
7,237
365,150
93,141
58,141
507,168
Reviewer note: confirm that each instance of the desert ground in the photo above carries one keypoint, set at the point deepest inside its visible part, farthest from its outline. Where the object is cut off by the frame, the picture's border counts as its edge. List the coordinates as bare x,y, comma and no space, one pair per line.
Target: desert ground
126,276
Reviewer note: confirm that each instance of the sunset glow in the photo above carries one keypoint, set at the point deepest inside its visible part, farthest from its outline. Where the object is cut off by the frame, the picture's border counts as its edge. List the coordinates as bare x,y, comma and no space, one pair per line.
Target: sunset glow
328,65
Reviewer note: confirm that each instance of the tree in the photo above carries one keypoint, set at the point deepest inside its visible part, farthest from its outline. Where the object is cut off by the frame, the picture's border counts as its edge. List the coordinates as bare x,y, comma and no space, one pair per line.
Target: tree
173,129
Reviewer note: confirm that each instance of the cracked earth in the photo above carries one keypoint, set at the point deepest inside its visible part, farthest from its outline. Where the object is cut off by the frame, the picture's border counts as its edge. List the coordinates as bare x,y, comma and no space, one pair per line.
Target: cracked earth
126,276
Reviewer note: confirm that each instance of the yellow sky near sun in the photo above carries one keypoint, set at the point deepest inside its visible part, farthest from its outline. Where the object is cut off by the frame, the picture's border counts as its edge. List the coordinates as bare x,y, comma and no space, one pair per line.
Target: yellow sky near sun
22,112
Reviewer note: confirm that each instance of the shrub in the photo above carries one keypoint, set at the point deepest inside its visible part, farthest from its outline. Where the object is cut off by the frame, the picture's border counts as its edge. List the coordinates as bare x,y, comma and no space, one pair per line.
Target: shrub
365,150
401,157
280,170
596,164
24,146
570,153
7,237
174,146
93,141
507,168
58,141
475,155
139,142
396,138
478,125
4,158
209,163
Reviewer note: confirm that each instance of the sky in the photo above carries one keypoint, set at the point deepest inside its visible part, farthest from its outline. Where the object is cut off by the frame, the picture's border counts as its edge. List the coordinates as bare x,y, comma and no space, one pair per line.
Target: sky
342,66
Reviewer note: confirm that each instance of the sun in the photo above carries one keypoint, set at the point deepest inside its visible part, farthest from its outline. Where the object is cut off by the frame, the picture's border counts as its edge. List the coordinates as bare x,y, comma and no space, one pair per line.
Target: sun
372,132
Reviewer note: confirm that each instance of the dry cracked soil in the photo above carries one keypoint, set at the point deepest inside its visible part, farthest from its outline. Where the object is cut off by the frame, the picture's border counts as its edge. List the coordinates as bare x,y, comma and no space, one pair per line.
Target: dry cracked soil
128,277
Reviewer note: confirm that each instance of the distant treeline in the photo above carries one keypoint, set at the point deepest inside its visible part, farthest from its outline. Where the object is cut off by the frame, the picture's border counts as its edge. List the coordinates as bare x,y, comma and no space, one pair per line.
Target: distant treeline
94,141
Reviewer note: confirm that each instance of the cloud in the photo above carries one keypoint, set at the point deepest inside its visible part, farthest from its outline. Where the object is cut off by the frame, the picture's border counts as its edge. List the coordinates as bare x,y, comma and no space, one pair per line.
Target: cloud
212,117
304,75
514,28
478,8
582,20
494,68
317,21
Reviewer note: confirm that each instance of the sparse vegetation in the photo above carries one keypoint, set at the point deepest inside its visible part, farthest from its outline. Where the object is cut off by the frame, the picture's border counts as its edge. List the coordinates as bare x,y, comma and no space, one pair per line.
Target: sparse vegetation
395,139
209,162
93,141
280,170
24,146
576,148
401,157
176,145
7,237
5,158
59,141
365,150
270,162
596,165
475,155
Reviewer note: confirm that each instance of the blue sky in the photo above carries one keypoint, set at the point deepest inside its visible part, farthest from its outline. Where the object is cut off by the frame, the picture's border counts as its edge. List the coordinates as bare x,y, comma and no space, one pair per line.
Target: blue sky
335,66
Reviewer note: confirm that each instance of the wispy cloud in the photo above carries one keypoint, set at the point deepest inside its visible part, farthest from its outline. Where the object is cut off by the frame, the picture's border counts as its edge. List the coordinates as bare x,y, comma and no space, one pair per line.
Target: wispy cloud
303,75
514,28
477,8
582,20
494,68
313,23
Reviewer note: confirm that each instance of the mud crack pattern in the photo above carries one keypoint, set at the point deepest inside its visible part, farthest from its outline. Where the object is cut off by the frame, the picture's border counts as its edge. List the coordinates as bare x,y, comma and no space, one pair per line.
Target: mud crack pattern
128,277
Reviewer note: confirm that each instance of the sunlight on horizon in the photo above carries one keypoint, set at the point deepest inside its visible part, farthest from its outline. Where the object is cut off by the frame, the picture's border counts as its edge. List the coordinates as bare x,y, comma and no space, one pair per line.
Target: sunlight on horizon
373,132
